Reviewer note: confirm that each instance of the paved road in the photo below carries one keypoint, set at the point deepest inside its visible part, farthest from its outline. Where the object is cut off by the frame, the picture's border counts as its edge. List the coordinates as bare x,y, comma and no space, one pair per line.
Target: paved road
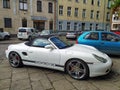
34,78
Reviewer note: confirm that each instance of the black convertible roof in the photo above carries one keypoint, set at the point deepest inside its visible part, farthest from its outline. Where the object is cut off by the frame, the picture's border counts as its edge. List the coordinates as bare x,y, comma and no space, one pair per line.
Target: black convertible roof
44,37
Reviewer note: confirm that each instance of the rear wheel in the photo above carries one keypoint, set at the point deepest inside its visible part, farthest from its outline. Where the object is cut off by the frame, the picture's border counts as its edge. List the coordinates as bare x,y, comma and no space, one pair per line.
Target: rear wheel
15,60
30,38
6,37
77,69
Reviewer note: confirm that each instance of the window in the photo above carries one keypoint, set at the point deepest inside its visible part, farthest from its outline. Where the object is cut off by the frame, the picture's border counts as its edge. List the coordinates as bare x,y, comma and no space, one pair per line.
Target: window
84,13
76,12
91,26
6,3
7,22
92,2
60,25
108,16
98,15
50,7
107,27
23,5
59,43
40,43
60,10
39,6
84,1
68,11
97,26
109,4
92,36
92,14
75,26
98,3
110,37
68,25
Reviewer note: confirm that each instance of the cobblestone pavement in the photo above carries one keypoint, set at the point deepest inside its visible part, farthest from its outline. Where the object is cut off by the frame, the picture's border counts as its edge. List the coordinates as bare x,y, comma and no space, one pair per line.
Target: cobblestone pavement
35,78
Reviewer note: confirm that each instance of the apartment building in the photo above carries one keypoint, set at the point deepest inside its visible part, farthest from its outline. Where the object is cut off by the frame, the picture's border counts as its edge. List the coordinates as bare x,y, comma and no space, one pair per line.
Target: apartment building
84,14
26,13
115,22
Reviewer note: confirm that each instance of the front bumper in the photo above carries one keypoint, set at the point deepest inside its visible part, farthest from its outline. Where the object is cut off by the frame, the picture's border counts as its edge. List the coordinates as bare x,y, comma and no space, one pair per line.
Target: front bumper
100,69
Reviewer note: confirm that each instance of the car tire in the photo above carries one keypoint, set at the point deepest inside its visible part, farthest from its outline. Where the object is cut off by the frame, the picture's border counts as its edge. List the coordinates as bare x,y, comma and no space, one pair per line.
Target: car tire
6,37
20,38
29,38
15,60
77,69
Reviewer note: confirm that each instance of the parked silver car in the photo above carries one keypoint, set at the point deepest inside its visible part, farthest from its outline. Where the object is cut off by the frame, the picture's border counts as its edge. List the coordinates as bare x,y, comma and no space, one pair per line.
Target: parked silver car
4,35
71,35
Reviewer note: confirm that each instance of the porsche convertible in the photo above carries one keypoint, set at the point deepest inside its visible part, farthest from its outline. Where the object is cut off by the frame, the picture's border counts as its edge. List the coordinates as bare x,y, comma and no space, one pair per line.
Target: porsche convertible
79,61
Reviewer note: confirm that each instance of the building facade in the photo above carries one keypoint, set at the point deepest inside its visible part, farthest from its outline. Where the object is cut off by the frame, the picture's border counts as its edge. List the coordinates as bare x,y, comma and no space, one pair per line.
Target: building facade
55,14
26,13
84,14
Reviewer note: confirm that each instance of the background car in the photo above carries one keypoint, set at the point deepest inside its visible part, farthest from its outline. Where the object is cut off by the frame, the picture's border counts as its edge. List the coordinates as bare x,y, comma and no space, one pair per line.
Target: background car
47,33
104,41
71,35
27,33
4,35
52,52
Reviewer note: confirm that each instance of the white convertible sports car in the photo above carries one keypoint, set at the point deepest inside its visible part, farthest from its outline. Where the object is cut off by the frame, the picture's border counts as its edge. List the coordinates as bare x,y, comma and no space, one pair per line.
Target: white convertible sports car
79,61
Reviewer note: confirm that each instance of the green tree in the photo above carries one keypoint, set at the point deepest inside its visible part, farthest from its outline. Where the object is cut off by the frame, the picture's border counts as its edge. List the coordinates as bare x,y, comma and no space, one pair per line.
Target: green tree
115,5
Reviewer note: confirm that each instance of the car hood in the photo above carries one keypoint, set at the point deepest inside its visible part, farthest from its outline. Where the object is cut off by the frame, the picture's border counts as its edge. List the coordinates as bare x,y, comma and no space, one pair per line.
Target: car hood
84,49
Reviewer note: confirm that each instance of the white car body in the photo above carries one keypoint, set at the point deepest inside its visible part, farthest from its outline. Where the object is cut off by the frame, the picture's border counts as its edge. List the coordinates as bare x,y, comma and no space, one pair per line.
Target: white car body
56,58
4,35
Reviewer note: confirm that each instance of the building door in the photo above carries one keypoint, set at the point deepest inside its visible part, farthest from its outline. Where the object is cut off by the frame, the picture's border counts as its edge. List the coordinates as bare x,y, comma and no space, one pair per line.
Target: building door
39,25
24,22
51,25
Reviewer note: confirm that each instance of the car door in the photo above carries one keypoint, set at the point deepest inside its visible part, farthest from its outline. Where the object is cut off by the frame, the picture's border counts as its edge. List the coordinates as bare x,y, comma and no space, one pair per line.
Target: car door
42,56
92,39
110,43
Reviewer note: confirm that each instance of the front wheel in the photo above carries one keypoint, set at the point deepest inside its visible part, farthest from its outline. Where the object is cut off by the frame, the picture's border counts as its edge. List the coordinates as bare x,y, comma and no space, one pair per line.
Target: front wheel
77,69
15,60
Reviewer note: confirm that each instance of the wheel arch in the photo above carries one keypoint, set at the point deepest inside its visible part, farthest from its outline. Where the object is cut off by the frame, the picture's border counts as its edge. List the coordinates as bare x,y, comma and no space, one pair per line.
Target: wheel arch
21,63
76,59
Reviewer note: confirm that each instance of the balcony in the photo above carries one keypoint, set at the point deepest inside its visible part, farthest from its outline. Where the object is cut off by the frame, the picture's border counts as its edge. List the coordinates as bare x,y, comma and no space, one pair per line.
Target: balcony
115,19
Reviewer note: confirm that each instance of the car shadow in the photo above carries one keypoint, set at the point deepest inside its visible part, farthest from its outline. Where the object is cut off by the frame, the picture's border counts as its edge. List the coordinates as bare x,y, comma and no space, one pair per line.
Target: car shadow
110,76
114,56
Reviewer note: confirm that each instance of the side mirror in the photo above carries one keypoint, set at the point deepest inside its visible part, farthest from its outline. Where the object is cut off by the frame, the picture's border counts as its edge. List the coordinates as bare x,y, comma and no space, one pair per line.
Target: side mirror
49,47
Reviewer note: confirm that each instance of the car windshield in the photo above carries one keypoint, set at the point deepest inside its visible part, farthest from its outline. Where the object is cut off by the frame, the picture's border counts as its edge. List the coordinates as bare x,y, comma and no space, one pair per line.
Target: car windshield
59,43
22,30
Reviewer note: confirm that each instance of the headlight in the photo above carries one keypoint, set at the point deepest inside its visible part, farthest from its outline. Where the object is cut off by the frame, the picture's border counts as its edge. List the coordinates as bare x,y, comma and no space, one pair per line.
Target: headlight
101,59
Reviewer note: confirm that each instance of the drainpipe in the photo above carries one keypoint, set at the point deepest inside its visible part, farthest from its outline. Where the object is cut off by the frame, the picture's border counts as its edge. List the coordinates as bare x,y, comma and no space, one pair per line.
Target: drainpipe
104,11
55,14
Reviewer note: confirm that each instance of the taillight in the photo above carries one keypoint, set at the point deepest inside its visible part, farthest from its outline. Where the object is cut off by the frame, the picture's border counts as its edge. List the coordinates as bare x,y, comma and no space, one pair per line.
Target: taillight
76,41
27,33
